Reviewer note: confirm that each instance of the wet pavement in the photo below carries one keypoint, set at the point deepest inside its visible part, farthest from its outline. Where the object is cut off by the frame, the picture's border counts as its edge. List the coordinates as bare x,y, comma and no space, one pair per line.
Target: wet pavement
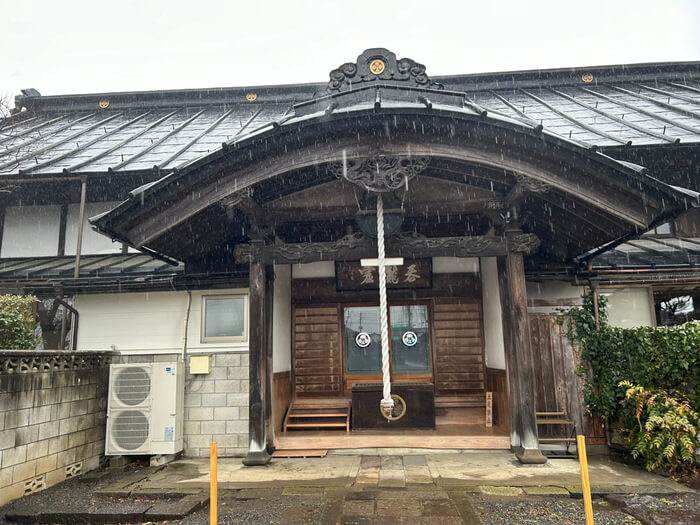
397,468
354,489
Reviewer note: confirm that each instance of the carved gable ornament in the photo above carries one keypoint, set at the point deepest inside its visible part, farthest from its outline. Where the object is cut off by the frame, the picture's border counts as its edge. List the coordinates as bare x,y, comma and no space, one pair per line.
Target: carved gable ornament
380,173
380,64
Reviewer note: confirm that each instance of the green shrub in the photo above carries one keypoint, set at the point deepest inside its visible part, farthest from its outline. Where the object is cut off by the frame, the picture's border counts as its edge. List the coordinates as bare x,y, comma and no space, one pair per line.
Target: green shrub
663,358
17,322
663,430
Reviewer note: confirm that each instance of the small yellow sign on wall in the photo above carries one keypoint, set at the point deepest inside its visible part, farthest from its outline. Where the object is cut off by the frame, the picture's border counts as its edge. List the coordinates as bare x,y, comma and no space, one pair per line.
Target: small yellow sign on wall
199,364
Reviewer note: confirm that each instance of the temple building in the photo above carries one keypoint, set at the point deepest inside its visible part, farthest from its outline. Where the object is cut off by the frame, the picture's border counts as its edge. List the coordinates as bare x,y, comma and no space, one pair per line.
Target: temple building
377,260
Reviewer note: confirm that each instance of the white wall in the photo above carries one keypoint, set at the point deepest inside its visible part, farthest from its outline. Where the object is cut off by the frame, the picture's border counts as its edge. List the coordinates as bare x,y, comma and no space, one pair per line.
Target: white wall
93,242
149,322
315,270
30,231
561,295
455,265
629,307
282,319
494,348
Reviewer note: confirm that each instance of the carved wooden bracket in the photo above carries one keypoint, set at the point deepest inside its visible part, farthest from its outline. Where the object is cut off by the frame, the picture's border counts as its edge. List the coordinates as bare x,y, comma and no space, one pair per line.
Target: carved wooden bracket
533,185
525,243
380,173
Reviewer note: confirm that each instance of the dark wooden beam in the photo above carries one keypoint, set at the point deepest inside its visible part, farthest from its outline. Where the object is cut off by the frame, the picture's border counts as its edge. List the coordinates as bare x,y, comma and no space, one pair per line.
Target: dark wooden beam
424,210
599,220
258,367
586,188
357,246
516,195
256,214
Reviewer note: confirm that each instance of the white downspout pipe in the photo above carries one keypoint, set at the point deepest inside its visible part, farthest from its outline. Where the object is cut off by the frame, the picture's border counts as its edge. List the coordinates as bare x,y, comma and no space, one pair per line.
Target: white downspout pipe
185,328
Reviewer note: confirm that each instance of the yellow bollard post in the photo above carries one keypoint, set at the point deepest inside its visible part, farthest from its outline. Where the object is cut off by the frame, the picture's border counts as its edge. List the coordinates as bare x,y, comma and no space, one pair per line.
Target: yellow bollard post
585,482
213,484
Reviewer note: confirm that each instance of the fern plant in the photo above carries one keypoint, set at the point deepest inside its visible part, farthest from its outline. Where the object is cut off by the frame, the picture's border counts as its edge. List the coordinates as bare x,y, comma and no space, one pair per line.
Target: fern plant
665,435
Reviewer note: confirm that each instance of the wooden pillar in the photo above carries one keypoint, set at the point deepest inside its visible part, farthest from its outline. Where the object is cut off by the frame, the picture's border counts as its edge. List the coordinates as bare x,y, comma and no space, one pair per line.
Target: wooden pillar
269,322
519,359
508,344
259,372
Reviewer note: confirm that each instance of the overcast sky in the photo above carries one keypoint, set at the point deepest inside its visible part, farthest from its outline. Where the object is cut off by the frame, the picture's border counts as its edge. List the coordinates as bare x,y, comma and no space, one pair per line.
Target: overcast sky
72,46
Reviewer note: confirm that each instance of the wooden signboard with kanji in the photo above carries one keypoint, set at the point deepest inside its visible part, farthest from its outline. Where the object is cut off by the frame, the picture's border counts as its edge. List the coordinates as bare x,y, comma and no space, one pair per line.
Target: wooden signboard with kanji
413,273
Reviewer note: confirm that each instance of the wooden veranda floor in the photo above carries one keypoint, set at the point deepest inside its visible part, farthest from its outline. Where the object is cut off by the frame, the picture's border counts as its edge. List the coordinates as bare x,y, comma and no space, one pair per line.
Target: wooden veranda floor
451,436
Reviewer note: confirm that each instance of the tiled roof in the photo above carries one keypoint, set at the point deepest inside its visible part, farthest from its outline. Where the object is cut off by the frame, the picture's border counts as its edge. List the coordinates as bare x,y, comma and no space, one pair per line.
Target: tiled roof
126,140
140,131
24,269
663,252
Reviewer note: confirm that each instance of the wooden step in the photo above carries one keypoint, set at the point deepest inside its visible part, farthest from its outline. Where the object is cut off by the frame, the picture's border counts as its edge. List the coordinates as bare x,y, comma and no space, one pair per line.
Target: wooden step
554,421
311,453
318,413
306,403
554,454
316,425
557,440
550,414
308,413
460,401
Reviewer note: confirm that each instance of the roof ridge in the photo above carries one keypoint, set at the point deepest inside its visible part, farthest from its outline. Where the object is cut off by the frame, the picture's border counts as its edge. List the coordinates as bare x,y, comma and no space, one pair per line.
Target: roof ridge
481,81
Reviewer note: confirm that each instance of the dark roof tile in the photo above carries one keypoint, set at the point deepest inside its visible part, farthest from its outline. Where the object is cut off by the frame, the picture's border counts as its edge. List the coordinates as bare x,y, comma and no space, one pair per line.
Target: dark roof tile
644,104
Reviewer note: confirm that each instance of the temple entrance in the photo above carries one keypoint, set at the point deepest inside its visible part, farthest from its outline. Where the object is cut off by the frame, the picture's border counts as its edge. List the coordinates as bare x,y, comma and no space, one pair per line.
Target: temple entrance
409,339
437,364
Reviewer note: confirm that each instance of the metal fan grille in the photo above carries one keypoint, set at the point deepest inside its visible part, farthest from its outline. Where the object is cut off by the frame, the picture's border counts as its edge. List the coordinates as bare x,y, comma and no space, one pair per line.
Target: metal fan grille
132,385
129,429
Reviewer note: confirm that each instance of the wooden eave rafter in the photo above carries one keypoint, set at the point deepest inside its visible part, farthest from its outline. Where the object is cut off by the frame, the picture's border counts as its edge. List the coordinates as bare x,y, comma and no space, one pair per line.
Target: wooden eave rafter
288,149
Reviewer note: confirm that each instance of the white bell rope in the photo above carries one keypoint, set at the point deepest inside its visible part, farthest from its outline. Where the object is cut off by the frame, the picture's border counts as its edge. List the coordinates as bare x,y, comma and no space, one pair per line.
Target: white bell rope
387,403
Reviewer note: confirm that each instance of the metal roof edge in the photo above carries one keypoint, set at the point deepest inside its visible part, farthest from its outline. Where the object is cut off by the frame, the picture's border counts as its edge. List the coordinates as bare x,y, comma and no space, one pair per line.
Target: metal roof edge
282,93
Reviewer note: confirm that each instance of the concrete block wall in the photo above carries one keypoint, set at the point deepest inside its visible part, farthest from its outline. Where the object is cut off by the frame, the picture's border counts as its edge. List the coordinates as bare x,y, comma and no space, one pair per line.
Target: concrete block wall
216,404
52,418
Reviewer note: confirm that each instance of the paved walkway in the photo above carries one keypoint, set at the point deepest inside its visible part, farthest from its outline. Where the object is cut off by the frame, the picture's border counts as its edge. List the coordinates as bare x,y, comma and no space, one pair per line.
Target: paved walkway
467,470
480,487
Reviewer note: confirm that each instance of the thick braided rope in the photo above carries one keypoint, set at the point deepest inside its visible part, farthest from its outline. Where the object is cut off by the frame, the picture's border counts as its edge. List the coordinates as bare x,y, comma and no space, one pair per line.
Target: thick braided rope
387,403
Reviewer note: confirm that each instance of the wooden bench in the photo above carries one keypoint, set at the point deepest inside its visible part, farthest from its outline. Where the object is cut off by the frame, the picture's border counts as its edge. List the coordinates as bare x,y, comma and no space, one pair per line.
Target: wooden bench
321,414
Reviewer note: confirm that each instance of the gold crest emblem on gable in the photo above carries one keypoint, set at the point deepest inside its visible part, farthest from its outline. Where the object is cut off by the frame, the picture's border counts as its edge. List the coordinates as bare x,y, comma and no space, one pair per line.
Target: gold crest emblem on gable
377,67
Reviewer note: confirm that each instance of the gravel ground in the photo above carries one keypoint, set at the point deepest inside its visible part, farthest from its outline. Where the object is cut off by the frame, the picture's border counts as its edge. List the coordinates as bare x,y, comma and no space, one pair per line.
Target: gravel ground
538,510
292,510
77,495
672,509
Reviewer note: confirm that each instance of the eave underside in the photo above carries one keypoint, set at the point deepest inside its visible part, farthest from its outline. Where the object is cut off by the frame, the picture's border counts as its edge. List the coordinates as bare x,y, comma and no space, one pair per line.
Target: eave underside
574,202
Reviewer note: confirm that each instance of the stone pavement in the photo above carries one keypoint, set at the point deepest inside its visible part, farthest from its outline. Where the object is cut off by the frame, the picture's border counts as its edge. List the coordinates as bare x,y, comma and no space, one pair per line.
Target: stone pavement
404,486
469,470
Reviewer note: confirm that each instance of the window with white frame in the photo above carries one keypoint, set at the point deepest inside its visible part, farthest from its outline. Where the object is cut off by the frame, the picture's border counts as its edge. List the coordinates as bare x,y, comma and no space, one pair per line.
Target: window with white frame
224,318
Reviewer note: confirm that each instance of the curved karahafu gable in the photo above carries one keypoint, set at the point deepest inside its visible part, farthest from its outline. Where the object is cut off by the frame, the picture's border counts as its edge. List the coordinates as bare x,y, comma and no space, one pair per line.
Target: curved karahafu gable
568,193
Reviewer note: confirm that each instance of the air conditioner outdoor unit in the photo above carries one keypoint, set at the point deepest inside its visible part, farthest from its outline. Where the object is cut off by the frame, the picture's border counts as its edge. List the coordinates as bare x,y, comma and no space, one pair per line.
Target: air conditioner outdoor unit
145,409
